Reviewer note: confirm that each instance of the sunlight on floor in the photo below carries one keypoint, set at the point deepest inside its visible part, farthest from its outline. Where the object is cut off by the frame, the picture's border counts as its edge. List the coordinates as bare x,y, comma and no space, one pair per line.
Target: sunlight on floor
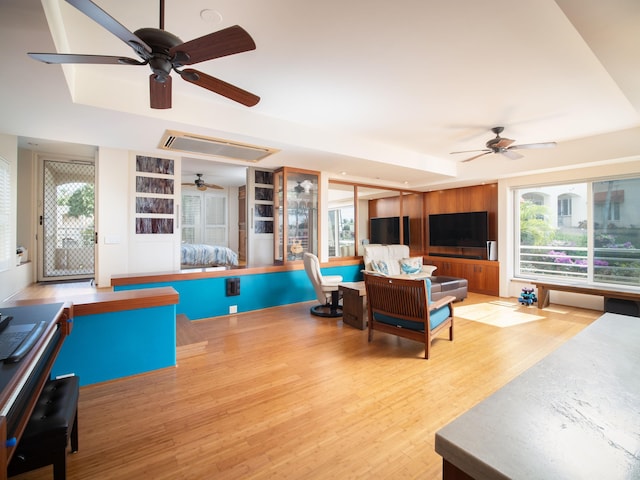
499,313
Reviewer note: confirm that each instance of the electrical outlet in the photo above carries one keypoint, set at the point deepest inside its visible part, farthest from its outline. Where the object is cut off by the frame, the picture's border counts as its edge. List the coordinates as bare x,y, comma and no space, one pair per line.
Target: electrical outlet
233,309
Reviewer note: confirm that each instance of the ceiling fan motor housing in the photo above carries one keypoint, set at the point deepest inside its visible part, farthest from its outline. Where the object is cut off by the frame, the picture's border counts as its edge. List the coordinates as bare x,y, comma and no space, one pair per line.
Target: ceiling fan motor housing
160,42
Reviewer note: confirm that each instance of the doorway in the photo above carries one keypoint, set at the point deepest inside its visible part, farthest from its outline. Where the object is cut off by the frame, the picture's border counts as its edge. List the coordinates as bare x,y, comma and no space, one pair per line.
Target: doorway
66,230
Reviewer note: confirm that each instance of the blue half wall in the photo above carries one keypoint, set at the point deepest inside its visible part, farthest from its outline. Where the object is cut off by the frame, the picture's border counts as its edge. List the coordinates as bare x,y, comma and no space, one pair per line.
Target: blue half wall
206,297
111,345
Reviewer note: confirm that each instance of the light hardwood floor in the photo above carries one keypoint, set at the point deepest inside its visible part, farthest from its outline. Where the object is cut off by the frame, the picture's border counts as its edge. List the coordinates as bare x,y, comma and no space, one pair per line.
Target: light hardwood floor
282,394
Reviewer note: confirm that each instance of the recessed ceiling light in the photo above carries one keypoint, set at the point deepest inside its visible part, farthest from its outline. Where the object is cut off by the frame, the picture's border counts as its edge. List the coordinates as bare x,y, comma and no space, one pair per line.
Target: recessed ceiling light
211,16
343,173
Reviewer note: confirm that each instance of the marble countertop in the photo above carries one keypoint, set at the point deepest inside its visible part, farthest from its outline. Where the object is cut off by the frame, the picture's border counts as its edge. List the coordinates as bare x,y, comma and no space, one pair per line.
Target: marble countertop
573,415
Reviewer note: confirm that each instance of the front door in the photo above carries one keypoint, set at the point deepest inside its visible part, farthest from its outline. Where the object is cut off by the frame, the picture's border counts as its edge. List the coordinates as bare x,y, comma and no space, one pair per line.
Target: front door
66,228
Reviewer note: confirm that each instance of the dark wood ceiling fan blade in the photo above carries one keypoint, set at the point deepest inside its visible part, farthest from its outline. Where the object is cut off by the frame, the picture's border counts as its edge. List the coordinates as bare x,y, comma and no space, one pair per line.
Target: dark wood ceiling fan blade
220,87
534,145
476,156
503,142
59,58
159,92
105,20
218,44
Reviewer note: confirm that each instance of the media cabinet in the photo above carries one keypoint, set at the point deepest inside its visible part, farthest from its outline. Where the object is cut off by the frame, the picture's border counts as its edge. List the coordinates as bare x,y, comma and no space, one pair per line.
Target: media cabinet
483,275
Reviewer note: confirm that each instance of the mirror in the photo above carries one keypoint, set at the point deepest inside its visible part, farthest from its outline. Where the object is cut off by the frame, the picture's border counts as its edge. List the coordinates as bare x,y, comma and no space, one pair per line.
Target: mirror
350,208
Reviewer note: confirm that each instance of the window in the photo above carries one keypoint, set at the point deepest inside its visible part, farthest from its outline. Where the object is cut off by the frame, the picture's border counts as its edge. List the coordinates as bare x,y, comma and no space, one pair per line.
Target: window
6,257
564,206
594,237
342,227
204,219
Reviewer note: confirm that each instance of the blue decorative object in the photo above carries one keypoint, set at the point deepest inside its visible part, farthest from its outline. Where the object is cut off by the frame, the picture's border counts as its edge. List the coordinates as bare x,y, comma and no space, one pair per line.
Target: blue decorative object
411,265
527,297
380,266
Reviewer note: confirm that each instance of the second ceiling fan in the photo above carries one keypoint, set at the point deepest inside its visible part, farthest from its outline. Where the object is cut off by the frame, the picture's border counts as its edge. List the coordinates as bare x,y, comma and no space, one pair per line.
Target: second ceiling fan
201,185
165,52
504,146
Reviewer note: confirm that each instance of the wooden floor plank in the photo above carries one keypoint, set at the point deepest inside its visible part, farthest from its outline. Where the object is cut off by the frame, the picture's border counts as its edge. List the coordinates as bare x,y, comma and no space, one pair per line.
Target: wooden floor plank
282,394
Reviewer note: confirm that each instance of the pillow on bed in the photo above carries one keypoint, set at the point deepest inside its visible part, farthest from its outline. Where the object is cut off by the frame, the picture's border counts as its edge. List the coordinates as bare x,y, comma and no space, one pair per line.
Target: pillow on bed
411,265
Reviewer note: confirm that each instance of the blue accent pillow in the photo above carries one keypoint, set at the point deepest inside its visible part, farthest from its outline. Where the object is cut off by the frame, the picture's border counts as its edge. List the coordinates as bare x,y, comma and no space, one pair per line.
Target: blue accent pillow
411,265
380,266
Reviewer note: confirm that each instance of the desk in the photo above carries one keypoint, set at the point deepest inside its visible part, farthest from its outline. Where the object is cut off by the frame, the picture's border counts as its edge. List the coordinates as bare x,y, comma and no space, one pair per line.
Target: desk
354,304
573,415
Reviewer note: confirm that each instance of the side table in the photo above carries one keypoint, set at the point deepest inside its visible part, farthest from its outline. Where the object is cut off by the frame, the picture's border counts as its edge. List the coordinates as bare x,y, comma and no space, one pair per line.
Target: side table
354,304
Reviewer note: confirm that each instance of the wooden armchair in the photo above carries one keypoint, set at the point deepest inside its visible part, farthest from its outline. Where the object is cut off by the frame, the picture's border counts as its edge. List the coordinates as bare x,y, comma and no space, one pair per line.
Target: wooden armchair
403,307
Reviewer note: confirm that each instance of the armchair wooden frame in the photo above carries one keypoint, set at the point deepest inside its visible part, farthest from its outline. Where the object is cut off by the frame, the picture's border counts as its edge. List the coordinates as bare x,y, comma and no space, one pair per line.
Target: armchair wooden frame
406,300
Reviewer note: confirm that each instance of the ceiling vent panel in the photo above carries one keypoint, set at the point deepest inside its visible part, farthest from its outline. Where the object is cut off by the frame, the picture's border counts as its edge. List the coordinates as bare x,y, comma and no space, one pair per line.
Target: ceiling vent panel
217,147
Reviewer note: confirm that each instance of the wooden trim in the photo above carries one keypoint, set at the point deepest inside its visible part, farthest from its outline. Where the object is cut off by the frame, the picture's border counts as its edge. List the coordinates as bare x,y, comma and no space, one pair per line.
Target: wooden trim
124,300
194,274
103,302
376,187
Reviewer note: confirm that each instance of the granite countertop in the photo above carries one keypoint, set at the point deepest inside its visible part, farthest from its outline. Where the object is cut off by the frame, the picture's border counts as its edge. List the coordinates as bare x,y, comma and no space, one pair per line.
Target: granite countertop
573,415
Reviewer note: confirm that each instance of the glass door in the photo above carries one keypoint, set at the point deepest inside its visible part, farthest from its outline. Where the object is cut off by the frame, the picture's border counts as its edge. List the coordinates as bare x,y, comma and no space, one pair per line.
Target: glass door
296,208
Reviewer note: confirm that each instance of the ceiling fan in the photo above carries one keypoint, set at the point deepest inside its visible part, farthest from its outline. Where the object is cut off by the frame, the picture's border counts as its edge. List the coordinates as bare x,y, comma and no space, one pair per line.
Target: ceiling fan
504,147
200,184
163,52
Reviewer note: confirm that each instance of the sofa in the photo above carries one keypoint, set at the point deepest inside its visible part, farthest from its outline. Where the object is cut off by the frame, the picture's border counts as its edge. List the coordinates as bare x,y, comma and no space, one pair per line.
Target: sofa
395,261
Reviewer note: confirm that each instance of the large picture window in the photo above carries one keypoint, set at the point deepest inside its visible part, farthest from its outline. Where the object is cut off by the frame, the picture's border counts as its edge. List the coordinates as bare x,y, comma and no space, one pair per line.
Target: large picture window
581,232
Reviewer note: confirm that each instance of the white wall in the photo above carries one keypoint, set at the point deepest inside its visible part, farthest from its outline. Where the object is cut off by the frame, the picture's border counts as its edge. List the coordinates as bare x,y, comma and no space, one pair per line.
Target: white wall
120,250
26,208
510,287
112,214
15,278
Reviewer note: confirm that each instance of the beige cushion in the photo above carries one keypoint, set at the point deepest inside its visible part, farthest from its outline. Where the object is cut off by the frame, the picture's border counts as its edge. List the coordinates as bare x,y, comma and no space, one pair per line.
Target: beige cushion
377,256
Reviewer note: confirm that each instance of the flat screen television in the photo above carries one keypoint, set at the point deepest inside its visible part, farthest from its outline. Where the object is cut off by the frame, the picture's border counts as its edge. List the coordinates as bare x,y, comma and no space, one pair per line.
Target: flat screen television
468,229
386,230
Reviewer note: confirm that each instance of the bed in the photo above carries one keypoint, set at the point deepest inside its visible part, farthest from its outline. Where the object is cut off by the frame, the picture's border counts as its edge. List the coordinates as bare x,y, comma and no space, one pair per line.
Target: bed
200,255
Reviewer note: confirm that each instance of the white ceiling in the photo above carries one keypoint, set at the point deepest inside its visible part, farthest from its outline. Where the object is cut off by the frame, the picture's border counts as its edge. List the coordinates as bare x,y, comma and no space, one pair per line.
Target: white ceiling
380,91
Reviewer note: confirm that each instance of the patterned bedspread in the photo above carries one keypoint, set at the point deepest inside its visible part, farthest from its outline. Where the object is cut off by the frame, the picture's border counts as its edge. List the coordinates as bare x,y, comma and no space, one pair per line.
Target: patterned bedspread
206,255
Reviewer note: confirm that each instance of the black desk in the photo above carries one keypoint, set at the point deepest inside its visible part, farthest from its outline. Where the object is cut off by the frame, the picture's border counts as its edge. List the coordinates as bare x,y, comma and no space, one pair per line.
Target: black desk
22,382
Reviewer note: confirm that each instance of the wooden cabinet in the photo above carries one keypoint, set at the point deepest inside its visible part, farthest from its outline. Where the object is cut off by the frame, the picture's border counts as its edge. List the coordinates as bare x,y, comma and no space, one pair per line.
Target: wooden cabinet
482,275
296,202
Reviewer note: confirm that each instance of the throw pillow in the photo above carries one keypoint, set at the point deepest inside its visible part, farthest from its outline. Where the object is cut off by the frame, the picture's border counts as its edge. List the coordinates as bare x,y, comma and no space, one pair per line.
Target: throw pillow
411,265
380,266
